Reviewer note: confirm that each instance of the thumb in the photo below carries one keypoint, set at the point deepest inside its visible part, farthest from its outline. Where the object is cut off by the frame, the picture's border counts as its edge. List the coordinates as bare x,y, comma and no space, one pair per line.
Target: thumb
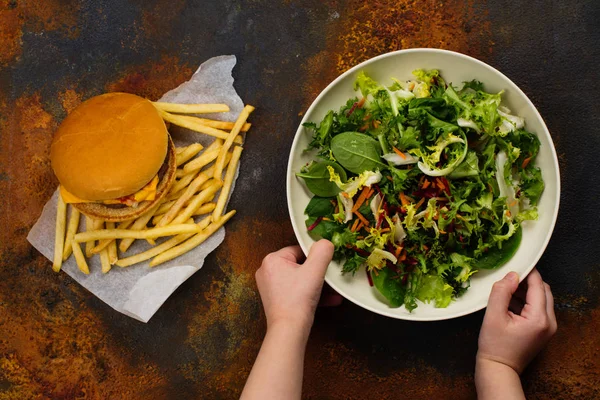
501,294
318,259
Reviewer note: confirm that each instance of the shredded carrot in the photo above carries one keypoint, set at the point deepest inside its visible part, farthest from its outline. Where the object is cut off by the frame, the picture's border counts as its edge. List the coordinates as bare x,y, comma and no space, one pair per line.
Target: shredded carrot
359,227
355,225
360,237
513,203
402,256
404,199
508,214
364,127
371,191
426,184
361,198
525,162
442,232
420,203
401,154
362,219
325,219
389,178
333,202
376,124
384,230
440,184
398,251
346,195
361,102
425,247
337,209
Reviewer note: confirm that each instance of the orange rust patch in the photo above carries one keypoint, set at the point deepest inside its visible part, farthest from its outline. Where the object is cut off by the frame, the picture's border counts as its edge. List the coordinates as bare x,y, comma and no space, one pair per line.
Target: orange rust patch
69,100
53,346
152,80
571,363
28,180
11,23
371,28
47,15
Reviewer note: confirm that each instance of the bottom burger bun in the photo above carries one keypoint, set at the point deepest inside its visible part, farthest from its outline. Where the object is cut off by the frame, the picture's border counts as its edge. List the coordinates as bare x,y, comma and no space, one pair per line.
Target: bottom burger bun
121,212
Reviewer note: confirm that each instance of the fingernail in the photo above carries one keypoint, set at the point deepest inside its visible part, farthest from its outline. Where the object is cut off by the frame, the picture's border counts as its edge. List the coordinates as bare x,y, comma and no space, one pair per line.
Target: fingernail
512,276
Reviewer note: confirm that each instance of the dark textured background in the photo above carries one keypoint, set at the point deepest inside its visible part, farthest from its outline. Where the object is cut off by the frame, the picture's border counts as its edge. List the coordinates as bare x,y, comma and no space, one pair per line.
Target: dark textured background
58,341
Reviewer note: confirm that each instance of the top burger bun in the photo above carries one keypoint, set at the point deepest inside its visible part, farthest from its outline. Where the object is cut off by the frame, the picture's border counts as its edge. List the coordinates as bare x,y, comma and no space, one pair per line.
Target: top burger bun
110,147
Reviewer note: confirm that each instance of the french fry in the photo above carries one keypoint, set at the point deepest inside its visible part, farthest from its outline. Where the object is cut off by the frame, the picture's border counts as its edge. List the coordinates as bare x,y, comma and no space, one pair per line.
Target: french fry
139,224
112,245
204,209
125,262
191,108
59,235
199,199
179,173
219,165
80,259
182,183
89,226
193,124
222,124
188,153
214,146
228,181
151,233
71,231
193,242
189,192
104,261
106,243
201,161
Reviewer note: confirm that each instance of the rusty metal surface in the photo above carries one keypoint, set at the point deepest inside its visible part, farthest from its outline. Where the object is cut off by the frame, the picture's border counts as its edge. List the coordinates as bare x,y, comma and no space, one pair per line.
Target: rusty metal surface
58,341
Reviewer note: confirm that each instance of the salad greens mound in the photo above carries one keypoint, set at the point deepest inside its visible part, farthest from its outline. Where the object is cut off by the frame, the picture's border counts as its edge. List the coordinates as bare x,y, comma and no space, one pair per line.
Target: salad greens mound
423,184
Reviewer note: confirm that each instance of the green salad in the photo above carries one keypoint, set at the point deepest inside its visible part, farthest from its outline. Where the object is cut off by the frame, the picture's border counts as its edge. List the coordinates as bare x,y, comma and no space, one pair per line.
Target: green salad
423,184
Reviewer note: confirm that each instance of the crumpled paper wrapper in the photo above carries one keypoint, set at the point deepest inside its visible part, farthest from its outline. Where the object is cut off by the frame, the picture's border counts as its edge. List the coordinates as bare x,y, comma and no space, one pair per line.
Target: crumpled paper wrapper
138,291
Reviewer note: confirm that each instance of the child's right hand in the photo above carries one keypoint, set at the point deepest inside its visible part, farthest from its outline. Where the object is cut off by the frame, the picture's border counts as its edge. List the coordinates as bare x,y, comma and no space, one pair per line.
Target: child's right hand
518,322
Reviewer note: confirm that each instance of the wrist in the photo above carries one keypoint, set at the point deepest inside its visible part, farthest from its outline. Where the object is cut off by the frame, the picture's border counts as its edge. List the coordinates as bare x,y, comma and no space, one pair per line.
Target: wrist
496,380
294,329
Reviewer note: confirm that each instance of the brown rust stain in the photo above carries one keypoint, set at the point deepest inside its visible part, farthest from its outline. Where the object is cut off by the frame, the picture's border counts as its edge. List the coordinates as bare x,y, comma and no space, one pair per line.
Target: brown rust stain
52,345
570,366
69,99
371,28
342,373
158,20
48,15
152,80
28,180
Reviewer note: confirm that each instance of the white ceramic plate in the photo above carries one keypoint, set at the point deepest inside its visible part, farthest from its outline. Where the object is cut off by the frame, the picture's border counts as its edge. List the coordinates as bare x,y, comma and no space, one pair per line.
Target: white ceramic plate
455,68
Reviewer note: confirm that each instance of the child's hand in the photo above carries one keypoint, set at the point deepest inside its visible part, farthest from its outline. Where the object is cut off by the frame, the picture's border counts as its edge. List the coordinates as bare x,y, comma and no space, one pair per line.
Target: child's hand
518,322
289,291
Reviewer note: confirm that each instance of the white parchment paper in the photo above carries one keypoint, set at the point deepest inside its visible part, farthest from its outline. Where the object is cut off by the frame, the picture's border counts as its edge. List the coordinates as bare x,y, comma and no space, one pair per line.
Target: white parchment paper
138,291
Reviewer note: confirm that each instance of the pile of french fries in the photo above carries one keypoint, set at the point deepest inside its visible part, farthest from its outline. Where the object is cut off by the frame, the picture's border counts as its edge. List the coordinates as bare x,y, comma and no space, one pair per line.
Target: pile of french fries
202,174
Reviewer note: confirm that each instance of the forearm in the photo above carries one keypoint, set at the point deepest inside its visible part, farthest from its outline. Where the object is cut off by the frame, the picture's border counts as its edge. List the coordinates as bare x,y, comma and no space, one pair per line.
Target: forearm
278,369
495,380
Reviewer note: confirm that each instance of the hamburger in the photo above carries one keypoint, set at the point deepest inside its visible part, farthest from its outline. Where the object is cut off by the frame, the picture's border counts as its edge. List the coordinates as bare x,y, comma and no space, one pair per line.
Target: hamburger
113,157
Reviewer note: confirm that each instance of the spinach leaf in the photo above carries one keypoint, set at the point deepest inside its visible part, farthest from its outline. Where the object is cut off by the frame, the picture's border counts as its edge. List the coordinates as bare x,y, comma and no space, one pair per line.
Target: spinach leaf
319,207
357,152
325,229
391,289
316,177
496,257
